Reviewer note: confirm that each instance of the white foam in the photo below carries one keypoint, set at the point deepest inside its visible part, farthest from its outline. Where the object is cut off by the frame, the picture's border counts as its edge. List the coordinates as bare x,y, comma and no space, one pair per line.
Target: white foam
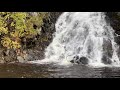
82,34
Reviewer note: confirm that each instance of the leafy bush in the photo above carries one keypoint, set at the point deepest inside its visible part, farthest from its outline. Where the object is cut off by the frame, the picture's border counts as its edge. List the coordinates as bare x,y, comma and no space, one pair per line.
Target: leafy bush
17,25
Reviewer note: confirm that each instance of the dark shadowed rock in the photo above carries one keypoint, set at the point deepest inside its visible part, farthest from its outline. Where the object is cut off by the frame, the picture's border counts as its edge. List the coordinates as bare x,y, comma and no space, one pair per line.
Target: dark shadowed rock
107,51
75,59
106,60
36,47
107,48
84,60
72,61
114,19
118,52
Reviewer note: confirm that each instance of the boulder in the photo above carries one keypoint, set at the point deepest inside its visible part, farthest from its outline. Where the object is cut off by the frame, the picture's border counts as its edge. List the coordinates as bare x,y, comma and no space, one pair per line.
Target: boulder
20,59
84,60
81,60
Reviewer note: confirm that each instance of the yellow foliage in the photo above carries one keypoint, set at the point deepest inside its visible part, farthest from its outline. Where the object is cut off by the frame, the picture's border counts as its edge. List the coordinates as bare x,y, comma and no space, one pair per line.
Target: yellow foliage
6,42
15,44
17,25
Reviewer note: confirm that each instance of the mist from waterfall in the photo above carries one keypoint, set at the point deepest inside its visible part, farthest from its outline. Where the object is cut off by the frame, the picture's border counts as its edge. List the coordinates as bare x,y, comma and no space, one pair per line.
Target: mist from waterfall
83,34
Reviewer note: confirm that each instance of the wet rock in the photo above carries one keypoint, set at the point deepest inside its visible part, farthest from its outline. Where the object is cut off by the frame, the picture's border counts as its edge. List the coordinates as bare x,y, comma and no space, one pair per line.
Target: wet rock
1,56
72,61
114,19
27,58
34,55
107,48
20,59
75,60
8,56
118,52
106,60
6,53
84,60
117,40
8,59
2,60
107,51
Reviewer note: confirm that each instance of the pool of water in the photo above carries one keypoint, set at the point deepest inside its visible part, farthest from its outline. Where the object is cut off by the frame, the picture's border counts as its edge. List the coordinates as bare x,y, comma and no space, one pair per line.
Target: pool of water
51,71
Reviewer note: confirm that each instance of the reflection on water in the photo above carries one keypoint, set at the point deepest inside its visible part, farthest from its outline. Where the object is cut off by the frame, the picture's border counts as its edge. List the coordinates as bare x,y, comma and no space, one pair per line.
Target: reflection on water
52,71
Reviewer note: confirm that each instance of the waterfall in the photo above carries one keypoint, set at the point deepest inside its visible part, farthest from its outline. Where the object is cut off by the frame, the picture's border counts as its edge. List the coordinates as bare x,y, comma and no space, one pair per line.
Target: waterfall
83,36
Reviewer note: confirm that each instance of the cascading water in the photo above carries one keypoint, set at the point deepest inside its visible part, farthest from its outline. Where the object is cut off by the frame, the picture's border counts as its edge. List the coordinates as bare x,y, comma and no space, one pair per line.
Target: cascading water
83,36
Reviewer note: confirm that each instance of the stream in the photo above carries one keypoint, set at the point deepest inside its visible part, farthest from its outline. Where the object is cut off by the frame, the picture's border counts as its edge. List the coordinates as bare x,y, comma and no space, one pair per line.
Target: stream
20,70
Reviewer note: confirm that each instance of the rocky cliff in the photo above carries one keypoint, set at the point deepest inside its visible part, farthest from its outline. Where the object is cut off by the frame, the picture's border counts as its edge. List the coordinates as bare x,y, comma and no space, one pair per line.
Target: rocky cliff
34,48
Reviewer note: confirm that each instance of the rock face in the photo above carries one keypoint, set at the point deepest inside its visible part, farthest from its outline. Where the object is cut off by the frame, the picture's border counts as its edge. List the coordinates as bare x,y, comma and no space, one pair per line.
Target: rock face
7,56
34,49
44,39
108,52
114,19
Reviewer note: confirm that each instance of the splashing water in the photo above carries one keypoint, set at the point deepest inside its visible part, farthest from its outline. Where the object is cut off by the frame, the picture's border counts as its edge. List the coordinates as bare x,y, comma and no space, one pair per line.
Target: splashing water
83,35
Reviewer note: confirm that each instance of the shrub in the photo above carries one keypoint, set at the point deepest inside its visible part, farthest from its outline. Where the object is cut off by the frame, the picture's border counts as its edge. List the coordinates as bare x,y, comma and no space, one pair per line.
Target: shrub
17,25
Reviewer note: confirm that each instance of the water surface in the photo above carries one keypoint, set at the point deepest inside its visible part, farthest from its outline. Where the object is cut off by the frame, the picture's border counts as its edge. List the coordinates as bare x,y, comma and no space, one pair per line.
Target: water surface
51,71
